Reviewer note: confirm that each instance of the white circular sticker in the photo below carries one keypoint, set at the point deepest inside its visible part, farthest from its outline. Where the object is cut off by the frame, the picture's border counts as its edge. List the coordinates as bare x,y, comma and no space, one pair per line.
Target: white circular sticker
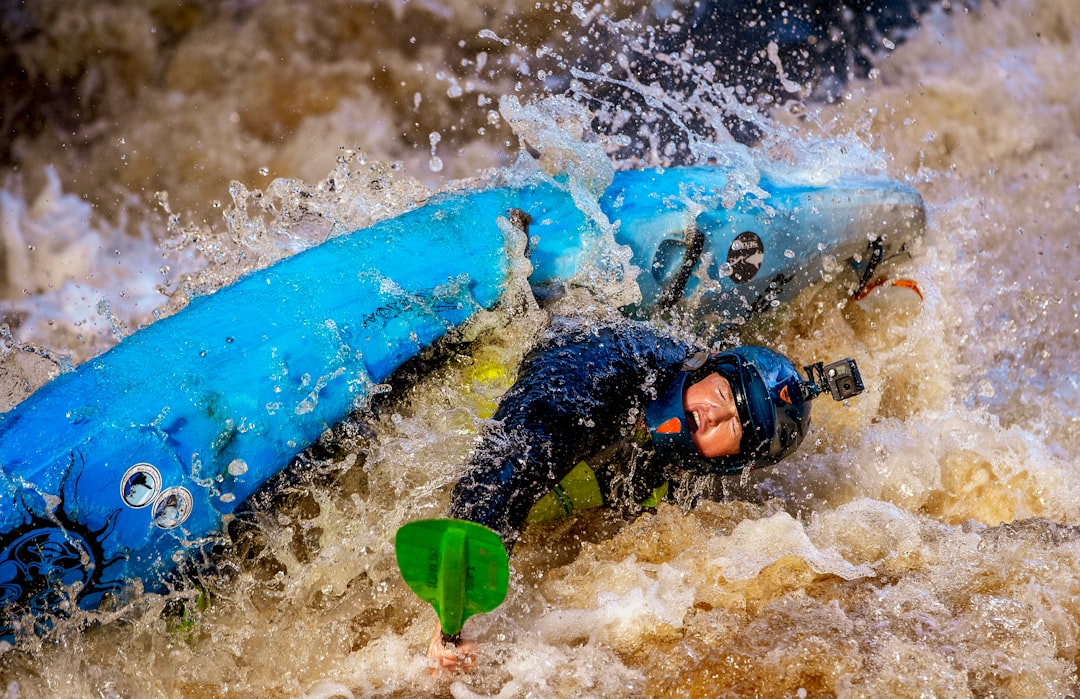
172,507
140,485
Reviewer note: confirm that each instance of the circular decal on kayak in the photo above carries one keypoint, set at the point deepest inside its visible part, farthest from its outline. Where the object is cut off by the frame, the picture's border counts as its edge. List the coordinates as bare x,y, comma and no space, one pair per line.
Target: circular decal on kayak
172,507
745,256
141,484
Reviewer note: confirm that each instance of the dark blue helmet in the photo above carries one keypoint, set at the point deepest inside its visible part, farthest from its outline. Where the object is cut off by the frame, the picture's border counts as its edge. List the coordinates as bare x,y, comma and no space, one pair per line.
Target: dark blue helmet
772,399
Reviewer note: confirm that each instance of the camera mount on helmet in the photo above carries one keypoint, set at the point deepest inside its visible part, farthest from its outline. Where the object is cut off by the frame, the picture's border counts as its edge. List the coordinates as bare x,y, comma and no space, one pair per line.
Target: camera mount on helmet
842,379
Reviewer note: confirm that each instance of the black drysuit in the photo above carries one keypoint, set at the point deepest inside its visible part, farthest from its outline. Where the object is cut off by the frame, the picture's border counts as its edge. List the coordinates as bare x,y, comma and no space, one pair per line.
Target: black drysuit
580,393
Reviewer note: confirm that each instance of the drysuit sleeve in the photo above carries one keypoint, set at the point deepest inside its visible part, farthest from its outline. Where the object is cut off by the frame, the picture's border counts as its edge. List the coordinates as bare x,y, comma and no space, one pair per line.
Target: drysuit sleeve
577,393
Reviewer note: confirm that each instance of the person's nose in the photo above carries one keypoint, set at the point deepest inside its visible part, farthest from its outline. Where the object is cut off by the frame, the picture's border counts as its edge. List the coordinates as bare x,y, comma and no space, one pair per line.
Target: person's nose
719,413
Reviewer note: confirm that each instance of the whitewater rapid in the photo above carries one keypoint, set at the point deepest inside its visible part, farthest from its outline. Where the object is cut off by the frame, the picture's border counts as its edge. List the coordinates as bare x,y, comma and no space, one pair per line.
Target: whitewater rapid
923,543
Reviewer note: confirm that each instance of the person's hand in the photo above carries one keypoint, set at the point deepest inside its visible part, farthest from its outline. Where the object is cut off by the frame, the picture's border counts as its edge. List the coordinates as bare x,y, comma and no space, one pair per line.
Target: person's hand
451,657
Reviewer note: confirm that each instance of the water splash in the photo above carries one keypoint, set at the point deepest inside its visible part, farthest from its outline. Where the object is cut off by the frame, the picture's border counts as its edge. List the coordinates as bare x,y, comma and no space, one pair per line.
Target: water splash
909,481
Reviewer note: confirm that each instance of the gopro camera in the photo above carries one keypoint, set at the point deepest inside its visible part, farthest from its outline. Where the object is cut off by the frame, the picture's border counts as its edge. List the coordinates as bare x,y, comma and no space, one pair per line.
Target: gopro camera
841,379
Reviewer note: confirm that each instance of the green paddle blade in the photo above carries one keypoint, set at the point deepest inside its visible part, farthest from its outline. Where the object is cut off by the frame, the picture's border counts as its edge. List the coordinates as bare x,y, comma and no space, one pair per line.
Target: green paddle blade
459,567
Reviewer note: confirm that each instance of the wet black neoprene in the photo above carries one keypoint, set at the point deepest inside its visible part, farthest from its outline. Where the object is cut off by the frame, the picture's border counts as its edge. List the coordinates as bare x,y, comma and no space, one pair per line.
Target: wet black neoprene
580,393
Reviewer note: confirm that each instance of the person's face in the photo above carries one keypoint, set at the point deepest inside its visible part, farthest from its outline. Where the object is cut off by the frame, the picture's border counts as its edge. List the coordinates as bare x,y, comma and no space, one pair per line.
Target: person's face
714,420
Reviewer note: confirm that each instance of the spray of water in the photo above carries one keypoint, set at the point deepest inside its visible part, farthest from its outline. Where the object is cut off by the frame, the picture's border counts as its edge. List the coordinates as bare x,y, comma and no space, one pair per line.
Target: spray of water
875,563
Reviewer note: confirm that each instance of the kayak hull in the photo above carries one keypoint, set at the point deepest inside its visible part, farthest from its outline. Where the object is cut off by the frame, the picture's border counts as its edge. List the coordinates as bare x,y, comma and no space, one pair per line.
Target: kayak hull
113,472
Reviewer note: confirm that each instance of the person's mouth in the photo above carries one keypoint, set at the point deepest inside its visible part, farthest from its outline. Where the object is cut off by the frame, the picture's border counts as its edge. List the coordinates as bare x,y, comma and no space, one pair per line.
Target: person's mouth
693,420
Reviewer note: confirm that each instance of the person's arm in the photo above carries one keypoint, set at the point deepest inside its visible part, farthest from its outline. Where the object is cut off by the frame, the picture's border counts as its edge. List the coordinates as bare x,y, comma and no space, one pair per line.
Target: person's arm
576,394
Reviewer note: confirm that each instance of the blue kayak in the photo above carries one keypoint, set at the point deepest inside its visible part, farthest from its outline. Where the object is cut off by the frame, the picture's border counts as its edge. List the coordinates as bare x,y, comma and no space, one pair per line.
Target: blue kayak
113,472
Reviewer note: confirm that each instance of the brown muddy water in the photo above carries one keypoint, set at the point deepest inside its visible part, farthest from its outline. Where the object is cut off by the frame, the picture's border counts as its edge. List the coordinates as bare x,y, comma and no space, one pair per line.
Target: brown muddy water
925,542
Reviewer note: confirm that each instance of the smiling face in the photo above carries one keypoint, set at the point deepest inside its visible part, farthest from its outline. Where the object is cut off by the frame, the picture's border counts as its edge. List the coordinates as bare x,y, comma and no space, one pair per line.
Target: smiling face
714,422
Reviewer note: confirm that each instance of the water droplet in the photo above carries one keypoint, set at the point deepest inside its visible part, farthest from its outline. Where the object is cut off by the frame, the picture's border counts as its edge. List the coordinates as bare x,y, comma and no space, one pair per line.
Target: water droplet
488,34
436,163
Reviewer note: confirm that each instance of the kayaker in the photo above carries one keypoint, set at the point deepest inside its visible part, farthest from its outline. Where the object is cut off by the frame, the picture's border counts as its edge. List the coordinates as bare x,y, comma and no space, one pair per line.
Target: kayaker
640,407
